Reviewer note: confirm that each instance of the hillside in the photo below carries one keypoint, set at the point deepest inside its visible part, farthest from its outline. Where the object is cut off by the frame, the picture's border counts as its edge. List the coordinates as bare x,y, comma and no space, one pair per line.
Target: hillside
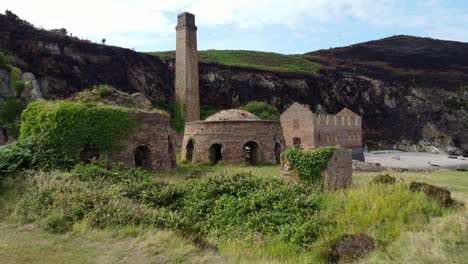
410,91
250,59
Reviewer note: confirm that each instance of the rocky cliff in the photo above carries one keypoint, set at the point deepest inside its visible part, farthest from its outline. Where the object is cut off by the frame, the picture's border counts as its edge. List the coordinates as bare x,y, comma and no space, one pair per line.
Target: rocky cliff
408,90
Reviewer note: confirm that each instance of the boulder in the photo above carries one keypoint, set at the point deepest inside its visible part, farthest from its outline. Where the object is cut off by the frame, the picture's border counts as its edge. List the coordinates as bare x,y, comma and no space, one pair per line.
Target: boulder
33,94
440,194
454,151
350,248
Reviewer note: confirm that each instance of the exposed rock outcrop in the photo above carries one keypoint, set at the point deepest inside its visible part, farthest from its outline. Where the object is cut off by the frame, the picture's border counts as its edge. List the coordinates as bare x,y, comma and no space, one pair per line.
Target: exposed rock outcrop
407,89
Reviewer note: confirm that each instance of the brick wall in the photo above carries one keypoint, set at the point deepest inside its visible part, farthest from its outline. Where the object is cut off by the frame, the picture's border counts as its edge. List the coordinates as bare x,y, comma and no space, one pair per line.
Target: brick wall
232,135
186,80
154,134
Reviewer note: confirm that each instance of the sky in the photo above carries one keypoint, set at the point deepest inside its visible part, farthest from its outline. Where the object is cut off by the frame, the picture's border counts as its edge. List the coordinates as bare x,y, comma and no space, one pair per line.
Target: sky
284,26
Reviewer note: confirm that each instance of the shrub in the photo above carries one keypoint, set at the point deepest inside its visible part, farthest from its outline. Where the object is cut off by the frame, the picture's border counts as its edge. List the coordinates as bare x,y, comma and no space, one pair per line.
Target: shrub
261,109
178,120
309,164
383,179
30,154
246,204
103,90
67,127
10,111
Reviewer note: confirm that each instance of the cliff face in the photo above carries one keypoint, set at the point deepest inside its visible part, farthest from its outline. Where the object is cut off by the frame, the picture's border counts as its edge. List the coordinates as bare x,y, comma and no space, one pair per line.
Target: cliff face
65,65
407,89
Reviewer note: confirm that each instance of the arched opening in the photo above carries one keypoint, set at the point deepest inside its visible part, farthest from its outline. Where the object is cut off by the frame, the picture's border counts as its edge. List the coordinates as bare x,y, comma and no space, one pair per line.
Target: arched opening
278,153
142,157
88,154
297,142
251,152
216,153
189,150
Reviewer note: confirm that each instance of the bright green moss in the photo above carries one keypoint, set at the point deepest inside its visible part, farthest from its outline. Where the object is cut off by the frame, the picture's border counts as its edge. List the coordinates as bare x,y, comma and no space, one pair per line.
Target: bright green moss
67,126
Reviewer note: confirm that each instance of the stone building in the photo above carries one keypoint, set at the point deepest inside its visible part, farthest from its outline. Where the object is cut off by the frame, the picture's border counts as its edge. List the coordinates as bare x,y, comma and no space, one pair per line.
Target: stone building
233,136
186,76
150,145
304,129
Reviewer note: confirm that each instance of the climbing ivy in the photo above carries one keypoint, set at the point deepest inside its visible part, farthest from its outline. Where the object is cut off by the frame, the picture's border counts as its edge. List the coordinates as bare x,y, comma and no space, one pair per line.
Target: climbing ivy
309,164
68,126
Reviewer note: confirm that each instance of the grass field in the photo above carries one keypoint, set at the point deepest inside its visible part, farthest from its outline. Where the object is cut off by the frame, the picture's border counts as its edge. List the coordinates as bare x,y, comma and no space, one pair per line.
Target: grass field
443,240
251,59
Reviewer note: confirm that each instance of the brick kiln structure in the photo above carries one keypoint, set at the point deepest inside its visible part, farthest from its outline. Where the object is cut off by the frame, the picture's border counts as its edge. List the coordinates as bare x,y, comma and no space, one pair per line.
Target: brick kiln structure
233,136
186,75
149,145
304,129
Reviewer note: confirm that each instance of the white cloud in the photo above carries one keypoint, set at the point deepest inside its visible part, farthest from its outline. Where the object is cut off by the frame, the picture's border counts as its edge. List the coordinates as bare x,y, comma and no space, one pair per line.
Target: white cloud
114,19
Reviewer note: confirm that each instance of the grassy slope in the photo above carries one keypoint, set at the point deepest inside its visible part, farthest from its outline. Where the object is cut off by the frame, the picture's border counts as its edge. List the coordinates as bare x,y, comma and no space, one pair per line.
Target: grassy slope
251,59
445,240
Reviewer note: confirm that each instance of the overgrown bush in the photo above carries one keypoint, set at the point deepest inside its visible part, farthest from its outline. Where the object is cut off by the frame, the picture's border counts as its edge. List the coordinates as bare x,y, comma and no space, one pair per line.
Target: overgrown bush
263,110
30,154
229,207
67,126
103,90
383,179
309,164
246,204
10,111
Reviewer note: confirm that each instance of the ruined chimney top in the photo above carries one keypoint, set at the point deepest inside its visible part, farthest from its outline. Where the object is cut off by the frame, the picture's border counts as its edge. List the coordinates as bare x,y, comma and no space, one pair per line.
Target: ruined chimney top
186,19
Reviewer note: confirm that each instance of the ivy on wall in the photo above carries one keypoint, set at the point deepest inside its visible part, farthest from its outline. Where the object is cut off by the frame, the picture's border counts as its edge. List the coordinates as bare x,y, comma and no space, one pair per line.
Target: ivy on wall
67,127
309,164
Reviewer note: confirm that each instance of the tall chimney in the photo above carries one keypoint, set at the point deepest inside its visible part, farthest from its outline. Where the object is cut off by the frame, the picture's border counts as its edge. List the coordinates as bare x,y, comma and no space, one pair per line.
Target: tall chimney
186,79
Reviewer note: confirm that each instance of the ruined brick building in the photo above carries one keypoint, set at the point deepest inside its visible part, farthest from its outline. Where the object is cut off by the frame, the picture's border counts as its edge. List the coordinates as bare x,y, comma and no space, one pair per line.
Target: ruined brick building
304,129
233,136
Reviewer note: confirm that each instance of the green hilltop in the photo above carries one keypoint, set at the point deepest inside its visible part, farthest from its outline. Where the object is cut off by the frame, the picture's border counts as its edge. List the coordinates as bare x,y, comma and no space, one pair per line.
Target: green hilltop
251,59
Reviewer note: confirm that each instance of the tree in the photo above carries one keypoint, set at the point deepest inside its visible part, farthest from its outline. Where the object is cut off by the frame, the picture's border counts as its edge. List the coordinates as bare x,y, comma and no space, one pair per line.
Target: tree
103,41
261,109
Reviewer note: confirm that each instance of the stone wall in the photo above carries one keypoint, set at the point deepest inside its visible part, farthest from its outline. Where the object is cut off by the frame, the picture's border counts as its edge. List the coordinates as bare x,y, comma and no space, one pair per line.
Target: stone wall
337,175
339,172
232,136
153,134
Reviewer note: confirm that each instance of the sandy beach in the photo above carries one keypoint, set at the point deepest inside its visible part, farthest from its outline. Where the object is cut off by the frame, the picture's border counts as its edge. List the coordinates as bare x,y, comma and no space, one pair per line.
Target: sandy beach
401,159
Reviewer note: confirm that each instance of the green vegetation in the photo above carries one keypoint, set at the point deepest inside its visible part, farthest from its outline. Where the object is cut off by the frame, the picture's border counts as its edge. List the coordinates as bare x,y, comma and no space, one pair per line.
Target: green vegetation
309,164
263,110
10,110
67,126
247,212
3,64
206,111
251,59
16,83
178,120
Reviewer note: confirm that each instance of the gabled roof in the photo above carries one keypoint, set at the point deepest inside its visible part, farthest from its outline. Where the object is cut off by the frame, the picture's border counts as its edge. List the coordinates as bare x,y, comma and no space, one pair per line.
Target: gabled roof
297,105
346,112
